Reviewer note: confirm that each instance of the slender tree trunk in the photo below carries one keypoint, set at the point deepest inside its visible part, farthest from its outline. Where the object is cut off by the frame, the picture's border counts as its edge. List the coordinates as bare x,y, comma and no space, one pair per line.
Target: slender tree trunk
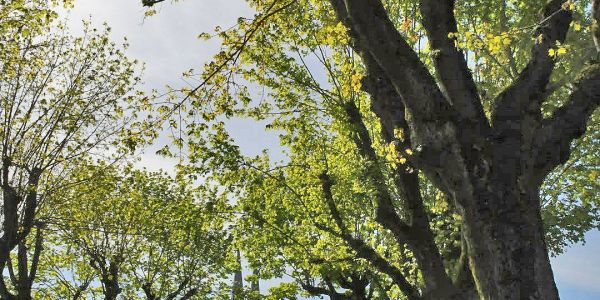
255,284
111,289
147,288
110,282
238,284
24,282
80,289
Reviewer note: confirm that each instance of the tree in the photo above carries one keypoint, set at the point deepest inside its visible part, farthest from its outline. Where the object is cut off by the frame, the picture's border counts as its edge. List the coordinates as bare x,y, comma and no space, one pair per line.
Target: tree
378,101
62,99
133,233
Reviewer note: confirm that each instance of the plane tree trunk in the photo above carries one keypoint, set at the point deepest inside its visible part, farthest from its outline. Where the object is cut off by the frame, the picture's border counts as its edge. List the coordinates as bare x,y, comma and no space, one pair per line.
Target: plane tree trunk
491,169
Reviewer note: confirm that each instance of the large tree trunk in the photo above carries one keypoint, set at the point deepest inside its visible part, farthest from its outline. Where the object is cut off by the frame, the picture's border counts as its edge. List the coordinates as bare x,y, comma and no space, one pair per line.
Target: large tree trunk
237,289
490,168
507,251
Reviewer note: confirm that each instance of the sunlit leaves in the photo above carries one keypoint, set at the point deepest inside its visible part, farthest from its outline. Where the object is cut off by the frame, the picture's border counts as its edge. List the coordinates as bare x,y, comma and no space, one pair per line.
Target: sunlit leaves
297,78
151,227
64,100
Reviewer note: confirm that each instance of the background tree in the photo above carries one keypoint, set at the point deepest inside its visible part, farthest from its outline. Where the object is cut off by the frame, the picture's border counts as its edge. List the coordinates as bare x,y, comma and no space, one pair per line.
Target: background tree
62,99
377,102
142,235
64,273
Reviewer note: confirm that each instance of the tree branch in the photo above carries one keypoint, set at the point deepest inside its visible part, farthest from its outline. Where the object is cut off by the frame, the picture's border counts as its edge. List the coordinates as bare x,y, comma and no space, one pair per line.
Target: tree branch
385,211
417,233
31,202
4,290
596,25
362,249
318,291
553,143
189,294
147,288
182,285
39,246
375,35
525,94
450,64
444,151
151,2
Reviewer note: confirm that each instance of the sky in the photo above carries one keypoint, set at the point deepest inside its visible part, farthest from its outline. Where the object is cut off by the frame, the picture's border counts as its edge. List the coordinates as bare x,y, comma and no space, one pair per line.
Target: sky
167,43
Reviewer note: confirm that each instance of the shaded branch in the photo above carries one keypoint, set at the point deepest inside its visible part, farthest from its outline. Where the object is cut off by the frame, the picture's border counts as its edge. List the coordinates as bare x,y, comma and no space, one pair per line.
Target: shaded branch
450,63
596,24
151,2
444,151
417,233
189,294
4,290
147,288
375,35
80,289
182,285
360,247
39,246
527,91
318,291
553,143
385,211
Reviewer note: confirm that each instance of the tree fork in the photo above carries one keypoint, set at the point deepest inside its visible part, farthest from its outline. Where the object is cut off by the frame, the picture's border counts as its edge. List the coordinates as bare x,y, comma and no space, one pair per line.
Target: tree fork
491,182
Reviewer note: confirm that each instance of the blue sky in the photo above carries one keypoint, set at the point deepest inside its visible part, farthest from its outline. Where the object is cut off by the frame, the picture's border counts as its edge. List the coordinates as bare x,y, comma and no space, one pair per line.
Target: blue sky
577,271
168,45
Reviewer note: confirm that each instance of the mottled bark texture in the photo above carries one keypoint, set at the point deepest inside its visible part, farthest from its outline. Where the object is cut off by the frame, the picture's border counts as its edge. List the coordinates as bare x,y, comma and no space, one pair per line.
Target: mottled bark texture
490,169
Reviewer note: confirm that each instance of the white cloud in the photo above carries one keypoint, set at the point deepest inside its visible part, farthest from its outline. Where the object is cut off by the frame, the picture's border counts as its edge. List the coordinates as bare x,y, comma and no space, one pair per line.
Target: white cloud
167,41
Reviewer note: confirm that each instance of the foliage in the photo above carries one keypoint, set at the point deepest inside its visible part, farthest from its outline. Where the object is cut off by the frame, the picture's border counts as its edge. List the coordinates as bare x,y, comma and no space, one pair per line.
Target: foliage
420,145
307,82
142,232
64,100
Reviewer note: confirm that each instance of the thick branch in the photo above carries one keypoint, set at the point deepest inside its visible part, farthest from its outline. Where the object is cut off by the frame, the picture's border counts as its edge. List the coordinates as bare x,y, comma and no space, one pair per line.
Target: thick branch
417,234
11,200
596,25
189,294
147,288
4,290
356,283
431,119
23,283
31,202
182,285
387,104
385,212
526,93
319,291
374,34
450,64
37,252
151,2
553,145
80,289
